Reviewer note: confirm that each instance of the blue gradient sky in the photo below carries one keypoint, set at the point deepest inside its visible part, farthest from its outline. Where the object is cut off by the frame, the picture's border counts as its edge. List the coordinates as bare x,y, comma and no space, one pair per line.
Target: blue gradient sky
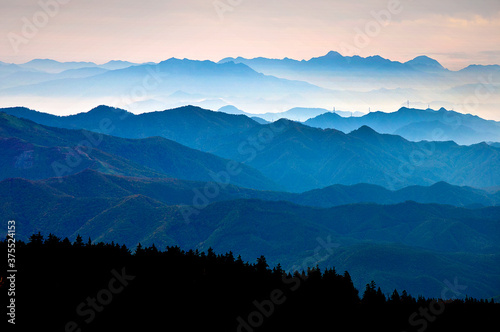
455,32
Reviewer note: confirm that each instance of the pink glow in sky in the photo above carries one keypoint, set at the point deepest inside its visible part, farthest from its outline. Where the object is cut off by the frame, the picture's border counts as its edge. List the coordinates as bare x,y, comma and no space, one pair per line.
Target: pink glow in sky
455,32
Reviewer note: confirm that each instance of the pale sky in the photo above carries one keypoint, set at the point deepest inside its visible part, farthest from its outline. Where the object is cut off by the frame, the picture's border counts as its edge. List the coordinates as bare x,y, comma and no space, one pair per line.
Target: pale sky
454,32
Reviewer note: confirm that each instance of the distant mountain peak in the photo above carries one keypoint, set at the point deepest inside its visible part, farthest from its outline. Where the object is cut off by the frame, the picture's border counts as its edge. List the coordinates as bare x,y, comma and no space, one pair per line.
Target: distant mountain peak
284,121
108,109
231,109
116,61
364,131
442,185
410,109
100,108
226,60
190,108
330,57
42,61
425,61
333,54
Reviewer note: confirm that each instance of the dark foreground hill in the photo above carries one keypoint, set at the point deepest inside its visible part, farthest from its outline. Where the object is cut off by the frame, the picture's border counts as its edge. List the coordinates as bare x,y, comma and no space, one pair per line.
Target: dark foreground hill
102,287
418,245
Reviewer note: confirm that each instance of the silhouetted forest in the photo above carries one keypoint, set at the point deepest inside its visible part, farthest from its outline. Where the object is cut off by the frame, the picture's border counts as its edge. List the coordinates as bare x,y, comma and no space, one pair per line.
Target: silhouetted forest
85,286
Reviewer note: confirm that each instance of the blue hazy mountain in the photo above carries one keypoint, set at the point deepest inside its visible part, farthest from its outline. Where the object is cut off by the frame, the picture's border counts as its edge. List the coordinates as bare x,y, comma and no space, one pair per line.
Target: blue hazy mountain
359,83
356,73
44,70
117,64
204,81
417,125
29,77
52,66
9,68
317,69
425,64
300,157
202,77
300,114
335,62
350,84
34,151
332,60
480,69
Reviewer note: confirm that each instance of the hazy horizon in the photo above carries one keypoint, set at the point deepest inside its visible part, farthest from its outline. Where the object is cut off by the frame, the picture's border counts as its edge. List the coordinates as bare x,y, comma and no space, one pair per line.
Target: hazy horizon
99,63
455,33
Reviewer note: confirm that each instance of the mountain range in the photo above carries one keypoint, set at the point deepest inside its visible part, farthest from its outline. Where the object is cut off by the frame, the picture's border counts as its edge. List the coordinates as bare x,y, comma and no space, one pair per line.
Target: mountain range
295,156
332,68
258,86
359,83
34,151
295,164
410,123
150,189
392,242
299,114
171,82
417,125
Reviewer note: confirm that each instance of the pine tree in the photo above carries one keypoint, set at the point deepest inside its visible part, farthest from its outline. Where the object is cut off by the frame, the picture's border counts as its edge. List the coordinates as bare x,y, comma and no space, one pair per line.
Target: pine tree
139,250
261,265
395,297
380,297
78,242
36,240
370,293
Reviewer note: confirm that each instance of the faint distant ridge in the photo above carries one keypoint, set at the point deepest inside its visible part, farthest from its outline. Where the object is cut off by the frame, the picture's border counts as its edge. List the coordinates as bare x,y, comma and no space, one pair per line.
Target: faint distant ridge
481,68
335,61
295,114
258,85
53,66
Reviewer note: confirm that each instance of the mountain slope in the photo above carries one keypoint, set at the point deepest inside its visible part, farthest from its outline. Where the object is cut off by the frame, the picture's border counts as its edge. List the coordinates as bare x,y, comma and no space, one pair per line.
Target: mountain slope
74,150
301,158
295,114
424,63
226,81
294,235
349,83
415,124
353,72
188,125
306,158
91,184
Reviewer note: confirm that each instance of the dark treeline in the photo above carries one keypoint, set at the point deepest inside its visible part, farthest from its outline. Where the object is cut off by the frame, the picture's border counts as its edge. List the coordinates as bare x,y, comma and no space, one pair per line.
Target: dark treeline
85,286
